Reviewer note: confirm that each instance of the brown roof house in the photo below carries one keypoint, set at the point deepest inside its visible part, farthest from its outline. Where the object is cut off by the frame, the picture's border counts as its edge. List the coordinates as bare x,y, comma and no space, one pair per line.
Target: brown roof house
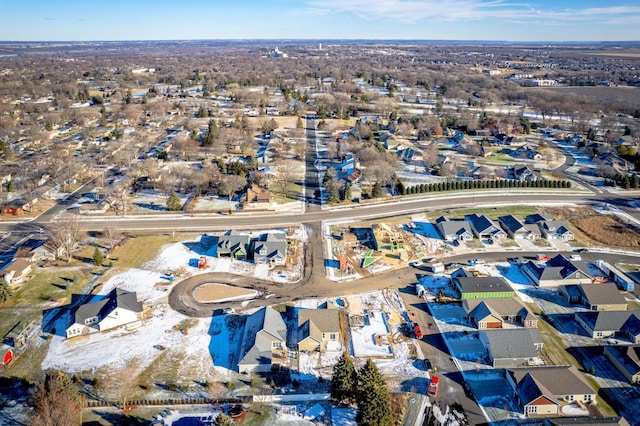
319,330
16,272
543,391
498,313
257,198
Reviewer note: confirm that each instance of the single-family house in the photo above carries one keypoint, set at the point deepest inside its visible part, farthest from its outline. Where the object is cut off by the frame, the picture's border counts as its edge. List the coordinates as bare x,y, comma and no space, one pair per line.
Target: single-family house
601,324
485,228
38,250
596,297
526,152
318,329
512,347
626,359
498,312
257,198
556,230
234,244
482,287
558,271
524,173
119,307
270,248
454,230
536,217
610,159
263,347
16,271
518,230
542,391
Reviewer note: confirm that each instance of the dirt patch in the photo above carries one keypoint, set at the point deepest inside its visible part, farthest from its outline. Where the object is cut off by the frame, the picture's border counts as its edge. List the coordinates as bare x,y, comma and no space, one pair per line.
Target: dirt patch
595,228
208,293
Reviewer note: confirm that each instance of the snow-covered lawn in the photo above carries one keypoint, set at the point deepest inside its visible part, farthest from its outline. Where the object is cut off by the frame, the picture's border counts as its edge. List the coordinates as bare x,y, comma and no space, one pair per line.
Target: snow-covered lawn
363,337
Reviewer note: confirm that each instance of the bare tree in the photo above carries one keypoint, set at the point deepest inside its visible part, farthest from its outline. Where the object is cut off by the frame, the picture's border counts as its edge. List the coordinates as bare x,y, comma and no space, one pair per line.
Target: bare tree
112,234
55,401
65,234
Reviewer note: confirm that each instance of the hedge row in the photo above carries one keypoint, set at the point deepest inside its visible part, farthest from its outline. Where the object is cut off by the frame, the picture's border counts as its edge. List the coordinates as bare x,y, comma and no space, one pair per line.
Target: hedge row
480,184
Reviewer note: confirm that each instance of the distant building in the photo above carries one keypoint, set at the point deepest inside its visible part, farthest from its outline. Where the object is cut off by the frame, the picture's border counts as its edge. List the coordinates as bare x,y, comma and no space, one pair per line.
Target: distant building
277,53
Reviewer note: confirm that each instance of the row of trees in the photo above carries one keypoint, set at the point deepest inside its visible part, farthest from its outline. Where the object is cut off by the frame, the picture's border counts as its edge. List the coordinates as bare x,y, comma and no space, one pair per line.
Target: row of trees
366,388
480,184
630,181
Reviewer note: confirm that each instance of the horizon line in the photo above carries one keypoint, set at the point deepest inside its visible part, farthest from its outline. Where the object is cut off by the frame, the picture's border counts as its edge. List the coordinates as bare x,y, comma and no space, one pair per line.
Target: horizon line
323,39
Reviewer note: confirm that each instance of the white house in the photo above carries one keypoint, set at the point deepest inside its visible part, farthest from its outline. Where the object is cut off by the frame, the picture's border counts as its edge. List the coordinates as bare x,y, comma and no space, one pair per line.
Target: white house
118,308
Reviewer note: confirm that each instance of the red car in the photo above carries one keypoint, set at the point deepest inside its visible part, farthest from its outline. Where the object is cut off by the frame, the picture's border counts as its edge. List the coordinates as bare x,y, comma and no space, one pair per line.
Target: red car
433,386
417,331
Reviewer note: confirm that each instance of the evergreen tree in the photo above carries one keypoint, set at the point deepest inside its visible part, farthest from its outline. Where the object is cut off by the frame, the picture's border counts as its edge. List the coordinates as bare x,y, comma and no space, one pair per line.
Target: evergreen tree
5,290
626,182
634,180
348,196
173,203
372,397
223,420
10,186
344,380
376,191
334,195
98,258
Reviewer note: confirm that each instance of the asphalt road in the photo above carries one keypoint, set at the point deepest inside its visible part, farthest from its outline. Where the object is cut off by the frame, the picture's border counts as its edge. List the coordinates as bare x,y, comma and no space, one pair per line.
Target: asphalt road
315,284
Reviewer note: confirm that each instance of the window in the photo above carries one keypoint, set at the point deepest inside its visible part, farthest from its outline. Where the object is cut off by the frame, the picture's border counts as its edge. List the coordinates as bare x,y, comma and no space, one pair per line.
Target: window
276,344
333,336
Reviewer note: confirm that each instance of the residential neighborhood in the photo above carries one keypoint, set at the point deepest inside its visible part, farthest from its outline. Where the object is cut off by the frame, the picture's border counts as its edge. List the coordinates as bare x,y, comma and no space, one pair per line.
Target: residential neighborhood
319,233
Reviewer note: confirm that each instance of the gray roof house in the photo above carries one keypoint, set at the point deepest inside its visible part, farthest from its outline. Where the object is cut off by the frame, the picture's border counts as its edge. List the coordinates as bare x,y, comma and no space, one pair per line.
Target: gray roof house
596,297
485,228
270,248
626,359
234,244
600,324
318,329
512,347
542,391
558,271
263,346
518,230
555,230
119,307
454,230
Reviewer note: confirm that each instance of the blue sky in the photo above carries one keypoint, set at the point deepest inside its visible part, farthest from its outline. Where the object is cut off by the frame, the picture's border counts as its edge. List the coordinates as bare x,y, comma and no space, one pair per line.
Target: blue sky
537,20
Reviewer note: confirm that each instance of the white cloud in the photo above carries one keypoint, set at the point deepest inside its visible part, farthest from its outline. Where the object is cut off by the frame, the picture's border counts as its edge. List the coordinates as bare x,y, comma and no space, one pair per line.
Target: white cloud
412,11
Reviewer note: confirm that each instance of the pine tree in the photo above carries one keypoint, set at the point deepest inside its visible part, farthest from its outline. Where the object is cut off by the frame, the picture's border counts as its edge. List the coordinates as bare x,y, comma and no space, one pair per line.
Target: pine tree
348,196
344,380
222,420
334,195
376,191
98,258
372,397
173,203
